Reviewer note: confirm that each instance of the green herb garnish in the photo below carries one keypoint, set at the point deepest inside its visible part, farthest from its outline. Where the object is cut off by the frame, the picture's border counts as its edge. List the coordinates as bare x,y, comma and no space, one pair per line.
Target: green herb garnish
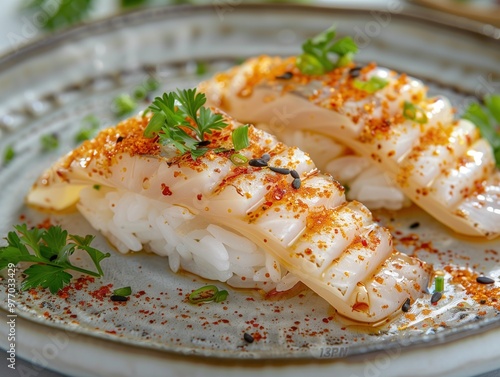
124,291
123,104
90,125
201,68
9,154
142,91
371,86
414,113
487,119
49,142
238,159
60,14
48,251
180,119
317,51
207,293
439,284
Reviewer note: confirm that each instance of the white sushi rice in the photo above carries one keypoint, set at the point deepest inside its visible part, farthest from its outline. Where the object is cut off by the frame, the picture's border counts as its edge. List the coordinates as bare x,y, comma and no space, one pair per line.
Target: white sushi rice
132,222
366,183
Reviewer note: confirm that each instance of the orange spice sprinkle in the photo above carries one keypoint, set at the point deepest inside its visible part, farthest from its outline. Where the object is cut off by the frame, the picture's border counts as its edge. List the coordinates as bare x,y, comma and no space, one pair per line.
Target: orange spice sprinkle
481,293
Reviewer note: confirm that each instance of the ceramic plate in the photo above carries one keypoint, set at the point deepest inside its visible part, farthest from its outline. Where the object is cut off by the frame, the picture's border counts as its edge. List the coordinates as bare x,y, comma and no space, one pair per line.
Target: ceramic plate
49,87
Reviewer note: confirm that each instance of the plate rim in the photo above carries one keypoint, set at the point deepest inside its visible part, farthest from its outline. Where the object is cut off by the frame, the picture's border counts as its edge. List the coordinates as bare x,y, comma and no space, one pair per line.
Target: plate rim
408,11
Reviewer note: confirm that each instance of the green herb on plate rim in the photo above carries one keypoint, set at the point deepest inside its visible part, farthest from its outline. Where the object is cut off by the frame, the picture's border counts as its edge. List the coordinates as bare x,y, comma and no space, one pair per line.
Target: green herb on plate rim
207,293
123,104
124,291
90,125
8,154
49,142
48,251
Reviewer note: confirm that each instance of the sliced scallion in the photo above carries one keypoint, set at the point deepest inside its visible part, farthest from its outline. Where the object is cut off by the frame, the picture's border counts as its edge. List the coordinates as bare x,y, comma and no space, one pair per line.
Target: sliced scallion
124,291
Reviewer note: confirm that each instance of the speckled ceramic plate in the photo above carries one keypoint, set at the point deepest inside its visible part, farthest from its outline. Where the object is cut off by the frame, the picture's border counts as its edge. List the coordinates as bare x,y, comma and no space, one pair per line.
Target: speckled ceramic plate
51,85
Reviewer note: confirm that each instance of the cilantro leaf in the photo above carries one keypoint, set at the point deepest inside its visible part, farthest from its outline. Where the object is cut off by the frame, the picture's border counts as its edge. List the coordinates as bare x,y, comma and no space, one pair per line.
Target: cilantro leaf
49,251
44,276
96,255
487,119
180,119
315,58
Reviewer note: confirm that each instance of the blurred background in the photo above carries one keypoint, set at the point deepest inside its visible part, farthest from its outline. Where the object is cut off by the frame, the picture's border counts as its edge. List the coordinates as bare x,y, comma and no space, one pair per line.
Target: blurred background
22,22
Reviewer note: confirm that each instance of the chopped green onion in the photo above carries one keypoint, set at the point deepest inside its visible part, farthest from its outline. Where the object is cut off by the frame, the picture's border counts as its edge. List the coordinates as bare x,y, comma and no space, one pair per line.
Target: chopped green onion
240,138
371,86
9,154
207,293
201,68
123,104
238,159
125,291
49,142
96,187
142,91
221,296
439,284
90,126
414,113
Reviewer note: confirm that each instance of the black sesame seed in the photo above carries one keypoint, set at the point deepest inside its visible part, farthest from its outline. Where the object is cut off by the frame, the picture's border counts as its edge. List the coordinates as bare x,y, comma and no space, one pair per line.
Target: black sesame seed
406,305
294,174
248,338
203,143
120,139
415,225
485,280
257,162
296,183
279,170
285,76
118,298
354,72
266,157
436,296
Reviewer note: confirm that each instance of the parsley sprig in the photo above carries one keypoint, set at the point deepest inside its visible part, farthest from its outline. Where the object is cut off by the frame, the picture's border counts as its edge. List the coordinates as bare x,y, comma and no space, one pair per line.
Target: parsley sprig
316,57
180,119
487,119
48,250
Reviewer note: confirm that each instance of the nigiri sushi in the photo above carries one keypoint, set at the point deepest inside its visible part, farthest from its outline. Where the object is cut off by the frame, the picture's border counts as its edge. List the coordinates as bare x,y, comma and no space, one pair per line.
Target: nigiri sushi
261,213
387,128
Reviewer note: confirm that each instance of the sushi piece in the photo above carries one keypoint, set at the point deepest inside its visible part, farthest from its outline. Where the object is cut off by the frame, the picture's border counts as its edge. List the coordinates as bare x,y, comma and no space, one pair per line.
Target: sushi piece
262,212
391,139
